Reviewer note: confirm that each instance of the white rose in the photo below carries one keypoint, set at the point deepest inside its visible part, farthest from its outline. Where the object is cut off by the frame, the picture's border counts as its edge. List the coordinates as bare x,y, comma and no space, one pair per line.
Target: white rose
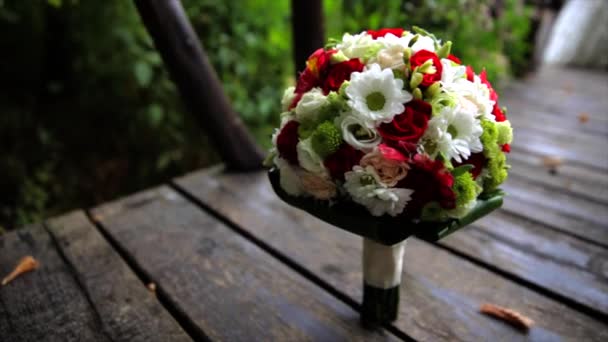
357,46
310,103
290,179
309,159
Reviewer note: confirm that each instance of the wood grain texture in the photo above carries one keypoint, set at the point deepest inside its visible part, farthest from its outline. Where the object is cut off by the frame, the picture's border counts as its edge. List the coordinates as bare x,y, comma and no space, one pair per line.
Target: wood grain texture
46,304
559,263
127,310
440,294
228,287
544,199
592,186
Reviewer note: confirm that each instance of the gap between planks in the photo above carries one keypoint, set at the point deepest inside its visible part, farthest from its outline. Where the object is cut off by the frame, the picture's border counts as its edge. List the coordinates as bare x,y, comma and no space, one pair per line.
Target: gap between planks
180,317
591,312
283,258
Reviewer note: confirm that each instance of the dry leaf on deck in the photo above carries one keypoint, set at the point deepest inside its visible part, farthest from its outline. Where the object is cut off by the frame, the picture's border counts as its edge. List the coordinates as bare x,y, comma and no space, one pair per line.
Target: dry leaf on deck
26,264
552,163
583,117
510,316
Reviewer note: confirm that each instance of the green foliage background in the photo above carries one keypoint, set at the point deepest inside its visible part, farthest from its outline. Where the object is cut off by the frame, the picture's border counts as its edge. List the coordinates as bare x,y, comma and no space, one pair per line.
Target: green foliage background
87,112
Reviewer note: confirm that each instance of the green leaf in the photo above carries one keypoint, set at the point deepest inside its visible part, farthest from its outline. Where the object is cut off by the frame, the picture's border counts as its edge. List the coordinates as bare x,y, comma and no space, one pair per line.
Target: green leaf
54,3
462,169
143,73
155,114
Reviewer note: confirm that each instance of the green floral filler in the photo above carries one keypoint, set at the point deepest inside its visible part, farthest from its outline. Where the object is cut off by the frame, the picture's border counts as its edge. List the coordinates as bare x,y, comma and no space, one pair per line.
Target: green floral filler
497,172
489,139
505,132
326,139
464,188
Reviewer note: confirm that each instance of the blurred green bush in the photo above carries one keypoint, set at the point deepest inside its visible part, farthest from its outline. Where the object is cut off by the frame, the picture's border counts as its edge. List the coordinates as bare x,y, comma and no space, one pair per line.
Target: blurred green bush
88,112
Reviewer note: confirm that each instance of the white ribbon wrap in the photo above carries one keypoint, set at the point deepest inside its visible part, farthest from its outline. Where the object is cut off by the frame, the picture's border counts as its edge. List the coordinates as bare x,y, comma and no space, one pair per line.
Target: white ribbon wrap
382,265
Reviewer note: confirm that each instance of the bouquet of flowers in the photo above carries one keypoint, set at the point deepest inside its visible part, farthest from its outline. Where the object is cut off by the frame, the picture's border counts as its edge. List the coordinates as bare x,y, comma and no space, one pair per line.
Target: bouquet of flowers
387,135
392,122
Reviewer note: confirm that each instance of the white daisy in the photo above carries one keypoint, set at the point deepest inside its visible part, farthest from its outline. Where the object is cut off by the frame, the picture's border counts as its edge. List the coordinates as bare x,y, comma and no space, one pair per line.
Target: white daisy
364,187
453,80
357,133
357,46
375,95
452,73
455,133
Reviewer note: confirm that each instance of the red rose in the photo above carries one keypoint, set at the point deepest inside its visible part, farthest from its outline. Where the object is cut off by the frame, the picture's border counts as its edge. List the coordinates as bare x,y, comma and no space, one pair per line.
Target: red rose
454,59
478,160
420,58
470,73
390,153
287,141
498,113
383,32
342,161
431,182
316,69
506,148
406,128
338,73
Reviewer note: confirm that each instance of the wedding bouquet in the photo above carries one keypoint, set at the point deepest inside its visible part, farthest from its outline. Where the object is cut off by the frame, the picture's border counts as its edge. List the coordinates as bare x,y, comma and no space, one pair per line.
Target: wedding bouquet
389,127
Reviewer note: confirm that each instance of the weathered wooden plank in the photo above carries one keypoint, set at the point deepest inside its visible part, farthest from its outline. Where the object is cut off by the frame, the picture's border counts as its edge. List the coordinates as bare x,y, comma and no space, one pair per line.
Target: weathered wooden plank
127,310
561,264
523,114
558,220
441,293
46,304
572,180
228,287
594,156
544,198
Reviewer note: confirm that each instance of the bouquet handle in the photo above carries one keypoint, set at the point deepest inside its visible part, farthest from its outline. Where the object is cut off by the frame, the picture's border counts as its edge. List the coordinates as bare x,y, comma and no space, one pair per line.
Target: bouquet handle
382,268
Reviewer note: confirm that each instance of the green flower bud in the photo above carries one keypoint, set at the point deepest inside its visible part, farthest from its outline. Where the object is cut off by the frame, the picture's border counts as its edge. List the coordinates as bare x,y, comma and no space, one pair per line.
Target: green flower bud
417,94
338,57
415,80
433,90
413,40
326,139
407,54
444,51
427,67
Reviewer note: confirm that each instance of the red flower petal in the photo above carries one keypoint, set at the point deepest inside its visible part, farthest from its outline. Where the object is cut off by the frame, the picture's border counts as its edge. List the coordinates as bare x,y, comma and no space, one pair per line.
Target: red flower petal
383,32
287,140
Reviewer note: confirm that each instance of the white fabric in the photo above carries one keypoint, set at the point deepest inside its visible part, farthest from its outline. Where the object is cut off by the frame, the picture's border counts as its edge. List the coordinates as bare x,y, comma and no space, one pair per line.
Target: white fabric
382,265
580,35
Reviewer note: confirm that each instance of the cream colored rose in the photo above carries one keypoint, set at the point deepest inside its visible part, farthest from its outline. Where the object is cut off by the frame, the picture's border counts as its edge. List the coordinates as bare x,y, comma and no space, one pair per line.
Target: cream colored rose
317,186
389,171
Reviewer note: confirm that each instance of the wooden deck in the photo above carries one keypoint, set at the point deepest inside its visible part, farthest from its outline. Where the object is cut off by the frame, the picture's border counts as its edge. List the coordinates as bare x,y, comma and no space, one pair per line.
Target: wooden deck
232,262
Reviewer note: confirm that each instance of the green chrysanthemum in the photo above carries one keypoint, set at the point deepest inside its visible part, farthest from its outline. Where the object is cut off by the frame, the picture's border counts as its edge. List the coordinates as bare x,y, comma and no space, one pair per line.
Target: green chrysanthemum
497,172
505,132
489,138
465,188
336,104
326,139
